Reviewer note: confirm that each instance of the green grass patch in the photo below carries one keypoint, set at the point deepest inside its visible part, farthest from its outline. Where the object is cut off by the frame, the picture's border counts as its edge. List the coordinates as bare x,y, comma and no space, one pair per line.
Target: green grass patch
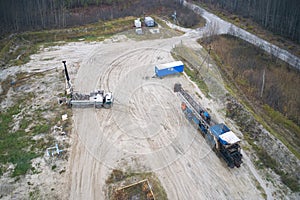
25,123
17,147
278,118
23,162
279,136
5,120
41,128
13,145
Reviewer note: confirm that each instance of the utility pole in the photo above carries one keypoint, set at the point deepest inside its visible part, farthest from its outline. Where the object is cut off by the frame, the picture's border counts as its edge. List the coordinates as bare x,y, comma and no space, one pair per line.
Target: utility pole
208,56
263,83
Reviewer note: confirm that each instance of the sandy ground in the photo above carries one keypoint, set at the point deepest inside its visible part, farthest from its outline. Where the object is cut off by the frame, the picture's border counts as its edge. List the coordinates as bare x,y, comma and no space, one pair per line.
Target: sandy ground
145,130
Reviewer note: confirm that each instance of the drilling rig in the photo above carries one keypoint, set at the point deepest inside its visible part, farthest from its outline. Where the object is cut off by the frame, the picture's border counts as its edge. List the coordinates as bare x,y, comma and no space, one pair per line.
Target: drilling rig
68,84
97,98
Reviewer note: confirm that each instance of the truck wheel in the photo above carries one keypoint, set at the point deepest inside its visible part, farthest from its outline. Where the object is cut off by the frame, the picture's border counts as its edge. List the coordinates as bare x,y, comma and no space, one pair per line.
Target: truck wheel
214,148
231,165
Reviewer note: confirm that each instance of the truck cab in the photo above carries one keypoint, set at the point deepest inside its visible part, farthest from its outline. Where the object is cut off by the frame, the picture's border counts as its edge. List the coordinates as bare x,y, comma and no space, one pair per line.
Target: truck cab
227,144
108,100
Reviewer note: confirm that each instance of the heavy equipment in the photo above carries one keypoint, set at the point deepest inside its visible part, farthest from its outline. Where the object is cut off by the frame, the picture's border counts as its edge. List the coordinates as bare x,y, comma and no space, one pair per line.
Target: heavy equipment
219,137
98,98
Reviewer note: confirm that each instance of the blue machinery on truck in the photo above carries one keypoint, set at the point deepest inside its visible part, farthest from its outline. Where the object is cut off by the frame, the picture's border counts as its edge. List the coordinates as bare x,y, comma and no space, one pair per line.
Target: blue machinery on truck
223,141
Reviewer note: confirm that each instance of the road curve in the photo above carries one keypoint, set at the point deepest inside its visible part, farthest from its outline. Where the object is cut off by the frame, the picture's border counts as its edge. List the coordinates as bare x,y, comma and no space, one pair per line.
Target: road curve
223,27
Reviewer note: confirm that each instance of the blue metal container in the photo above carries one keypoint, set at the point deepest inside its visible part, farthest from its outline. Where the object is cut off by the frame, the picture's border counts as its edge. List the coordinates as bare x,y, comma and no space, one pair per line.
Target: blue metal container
169,68
219,129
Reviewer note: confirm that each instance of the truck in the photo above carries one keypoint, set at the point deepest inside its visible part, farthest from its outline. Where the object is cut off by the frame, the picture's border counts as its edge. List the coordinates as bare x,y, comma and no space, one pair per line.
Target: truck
97,98
218,136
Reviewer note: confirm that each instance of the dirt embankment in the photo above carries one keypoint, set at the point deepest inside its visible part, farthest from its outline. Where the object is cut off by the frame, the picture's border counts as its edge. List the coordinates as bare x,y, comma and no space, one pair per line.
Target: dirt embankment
270,151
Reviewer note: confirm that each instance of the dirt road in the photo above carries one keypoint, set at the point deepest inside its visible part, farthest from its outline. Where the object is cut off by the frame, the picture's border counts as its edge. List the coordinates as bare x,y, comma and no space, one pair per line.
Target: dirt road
145,130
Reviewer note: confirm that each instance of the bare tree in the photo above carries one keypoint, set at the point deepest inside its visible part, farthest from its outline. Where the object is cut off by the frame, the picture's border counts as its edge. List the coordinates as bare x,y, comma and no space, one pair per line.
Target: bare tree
211,31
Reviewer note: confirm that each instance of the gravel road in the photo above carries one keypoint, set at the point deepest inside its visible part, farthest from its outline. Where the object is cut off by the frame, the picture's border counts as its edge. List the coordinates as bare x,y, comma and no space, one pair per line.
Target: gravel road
219,26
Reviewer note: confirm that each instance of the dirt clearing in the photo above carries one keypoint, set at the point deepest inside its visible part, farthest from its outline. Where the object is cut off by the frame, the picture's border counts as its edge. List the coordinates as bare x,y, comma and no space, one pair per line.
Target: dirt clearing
145,131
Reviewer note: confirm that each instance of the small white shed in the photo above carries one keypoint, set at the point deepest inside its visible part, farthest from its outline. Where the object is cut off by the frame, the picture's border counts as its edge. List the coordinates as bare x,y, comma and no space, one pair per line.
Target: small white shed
138,23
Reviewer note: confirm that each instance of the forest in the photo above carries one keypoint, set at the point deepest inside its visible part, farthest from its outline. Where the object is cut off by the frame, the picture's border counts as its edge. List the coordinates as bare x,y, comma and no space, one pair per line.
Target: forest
24,15
278,16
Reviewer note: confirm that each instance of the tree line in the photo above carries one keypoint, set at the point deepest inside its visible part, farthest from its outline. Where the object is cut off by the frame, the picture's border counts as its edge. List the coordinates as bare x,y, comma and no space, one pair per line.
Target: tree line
279,16
22,15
